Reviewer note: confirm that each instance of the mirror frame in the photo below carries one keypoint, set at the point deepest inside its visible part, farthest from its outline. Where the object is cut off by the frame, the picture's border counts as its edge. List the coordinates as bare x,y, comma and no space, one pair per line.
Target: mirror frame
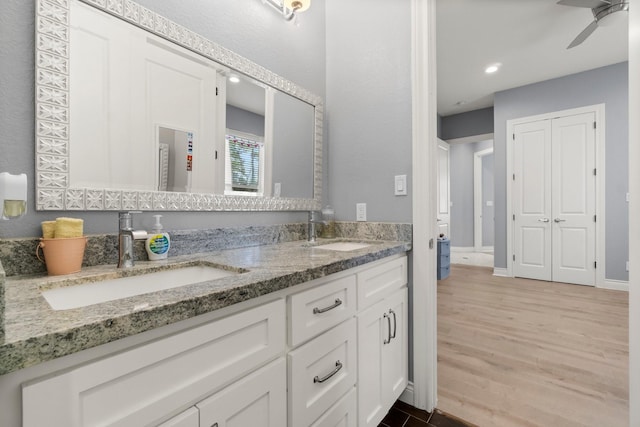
52,118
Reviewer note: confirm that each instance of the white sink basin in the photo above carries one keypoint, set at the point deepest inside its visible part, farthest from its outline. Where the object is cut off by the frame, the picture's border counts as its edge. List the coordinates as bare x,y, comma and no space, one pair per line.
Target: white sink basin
343,246
85,294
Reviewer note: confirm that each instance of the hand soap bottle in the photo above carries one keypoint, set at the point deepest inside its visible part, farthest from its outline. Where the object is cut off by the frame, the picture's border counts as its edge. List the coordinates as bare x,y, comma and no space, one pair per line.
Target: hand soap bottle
158,242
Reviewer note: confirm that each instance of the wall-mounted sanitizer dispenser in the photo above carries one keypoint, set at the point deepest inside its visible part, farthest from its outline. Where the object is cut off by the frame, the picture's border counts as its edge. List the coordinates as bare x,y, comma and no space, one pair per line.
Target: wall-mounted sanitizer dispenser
13,195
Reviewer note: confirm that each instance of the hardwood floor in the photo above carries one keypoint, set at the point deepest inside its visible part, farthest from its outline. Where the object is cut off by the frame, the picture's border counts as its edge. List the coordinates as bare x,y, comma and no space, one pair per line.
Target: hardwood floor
517,352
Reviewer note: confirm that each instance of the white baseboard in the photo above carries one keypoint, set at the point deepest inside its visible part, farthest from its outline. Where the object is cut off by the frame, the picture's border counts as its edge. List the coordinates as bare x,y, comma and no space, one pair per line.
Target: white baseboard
501,272
616,285
407,395
463,249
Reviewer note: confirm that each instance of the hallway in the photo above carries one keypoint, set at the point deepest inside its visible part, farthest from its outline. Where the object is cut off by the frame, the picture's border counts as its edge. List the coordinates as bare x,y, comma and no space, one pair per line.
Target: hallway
517,352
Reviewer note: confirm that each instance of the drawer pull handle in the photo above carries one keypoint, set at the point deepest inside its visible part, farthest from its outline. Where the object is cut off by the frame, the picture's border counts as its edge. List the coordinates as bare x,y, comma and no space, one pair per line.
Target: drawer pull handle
388,340
337,302
395,324
317,379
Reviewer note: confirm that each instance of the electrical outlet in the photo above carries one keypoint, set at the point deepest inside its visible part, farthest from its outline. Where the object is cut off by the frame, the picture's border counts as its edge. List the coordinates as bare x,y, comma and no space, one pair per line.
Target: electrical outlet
361,211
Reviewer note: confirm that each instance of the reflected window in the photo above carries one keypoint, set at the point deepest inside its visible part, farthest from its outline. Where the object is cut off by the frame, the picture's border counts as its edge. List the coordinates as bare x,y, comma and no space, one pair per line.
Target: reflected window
245,160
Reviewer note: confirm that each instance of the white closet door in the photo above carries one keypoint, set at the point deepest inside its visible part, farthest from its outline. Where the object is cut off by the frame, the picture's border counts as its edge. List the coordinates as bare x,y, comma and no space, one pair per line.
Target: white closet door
574,186
532,200
444,193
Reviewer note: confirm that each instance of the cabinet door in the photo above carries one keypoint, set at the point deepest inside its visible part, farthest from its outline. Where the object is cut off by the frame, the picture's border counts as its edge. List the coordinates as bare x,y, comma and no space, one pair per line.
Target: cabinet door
257,400
188,418
170,373
382,357
395,355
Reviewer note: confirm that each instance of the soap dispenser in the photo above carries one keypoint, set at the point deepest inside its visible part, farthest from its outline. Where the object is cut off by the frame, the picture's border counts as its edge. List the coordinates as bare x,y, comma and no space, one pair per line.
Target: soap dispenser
158,242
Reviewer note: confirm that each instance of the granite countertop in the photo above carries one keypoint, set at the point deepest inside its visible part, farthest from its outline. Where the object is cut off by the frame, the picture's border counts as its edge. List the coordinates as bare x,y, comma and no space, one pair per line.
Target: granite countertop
35,333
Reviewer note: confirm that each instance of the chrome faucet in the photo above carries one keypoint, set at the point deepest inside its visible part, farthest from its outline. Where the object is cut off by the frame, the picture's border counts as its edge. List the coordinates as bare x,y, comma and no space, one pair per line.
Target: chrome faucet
126,237
311,225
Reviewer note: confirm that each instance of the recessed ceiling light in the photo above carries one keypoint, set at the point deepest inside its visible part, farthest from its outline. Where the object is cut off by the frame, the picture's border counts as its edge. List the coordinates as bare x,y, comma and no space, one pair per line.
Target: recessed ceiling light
492,68
234,79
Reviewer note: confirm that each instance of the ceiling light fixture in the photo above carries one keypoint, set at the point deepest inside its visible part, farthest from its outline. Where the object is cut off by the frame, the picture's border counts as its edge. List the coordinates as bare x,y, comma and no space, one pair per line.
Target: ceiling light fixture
234,79
492,68
289,8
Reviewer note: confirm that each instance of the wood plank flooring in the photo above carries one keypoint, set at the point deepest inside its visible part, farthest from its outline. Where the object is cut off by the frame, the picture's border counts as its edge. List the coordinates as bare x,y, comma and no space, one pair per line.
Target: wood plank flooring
517,352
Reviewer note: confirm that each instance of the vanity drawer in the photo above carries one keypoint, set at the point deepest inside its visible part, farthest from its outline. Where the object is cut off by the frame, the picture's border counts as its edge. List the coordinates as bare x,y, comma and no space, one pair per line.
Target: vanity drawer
380,281
318,309
320,372
140,386
342,414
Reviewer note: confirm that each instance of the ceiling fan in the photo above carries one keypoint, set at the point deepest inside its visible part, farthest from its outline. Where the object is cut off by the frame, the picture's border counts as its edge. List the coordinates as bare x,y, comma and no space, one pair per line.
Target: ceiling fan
603,11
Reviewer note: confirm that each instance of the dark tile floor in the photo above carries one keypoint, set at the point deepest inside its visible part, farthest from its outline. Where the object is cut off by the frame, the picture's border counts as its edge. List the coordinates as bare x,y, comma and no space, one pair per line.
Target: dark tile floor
404,415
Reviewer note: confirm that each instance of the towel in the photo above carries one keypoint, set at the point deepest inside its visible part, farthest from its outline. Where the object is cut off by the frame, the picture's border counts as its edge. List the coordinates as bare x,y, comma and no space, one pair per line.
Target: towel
68,227
48,229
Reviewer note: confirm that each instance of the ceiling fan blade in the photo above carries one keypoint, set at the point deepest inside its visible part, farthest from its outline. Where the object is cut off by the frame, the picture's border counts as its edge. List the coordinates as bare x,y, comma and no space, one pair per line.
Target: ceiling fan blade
585,3
584,34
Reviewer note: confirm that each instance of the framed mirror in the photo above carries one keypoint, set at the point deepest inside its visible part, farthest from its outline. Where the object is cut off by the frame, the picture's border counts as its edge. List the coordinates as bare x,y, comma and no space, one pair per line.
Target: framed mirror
135,112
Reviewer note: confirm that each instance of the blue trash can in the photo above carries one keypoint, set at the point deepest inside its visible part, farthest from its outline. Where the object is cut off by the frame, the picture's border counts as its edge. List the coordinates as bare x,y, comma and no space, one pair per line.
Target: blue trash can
444,258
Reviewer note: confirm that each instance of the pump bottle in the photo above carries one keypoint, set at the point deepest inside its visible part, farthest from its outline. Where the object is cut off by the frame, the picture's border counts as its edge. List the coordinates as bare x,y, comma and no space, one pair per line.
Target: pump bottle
158,242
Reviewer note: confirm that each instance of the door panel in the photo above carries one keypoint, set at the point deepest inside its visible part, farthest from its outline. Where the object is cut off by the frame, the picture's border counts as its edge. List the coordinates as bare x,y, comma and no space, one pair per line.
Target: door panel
444,195
573,152
532,200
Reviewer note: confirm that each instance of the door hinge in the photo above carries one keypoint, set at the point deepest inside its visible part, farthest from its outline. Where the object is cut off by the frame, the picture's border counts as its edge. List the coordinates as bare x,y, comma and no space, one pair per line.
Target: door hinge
595,171
594,218
514,257
430,243
595,126
514,136
595,264
514,217
216,152
514,176
216,91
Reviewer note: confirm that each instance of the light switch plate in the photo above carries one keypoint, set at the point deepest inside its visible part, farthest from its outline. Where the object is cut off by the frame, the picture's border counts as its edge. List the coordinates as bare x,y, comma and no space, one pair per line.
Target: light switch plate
277,189
401,185
361,211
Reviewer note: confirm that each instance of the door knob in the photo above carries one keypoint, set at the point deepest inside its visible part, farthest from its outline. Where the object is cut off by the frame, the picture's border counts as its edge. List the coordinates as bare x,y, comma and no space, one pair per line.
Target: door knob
543,220
559,220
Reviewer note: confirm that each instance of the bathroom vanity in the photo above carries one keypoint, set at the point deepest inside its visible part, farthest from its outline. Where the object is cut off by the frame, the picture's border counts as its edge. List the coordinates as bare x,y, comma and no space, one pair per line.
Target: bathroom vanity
300,336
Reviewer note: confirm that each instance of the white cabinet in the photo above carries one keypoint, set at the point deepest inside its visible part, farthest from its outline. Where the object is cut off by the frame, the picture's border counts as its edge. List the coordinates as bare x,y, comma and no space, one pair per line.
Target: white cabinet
145,384
342,414
257,400
382,343
188,418
320,372
346,364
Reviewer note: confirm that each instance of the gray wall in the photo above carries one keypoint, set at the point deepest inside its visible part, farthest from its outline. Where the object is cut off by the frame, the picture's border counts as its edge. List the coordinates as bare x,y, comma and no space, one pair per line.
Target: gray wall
477,122
244,121
461,166
488,212
248,27
608,85
369,106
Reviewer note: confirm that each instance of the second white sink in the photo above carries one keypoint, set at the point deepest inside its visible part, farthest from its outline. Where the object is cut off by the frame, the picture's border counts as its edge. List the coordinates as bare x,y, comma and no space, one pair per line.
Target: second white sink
85,294
343,246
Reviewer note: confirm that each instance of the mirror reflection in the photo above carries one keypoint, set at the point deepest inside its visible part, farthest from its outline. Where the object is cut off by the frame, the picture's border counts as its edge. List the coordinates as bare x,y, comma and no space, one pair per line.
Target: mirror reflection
162,118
